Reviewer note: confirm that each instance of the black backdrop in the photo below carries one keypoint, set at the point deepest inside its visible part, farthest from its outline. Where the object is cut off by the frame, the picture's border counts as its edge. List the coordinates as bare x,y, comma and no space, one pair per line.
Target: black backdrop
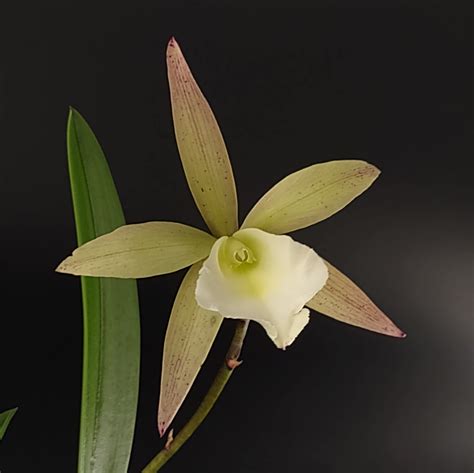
389,84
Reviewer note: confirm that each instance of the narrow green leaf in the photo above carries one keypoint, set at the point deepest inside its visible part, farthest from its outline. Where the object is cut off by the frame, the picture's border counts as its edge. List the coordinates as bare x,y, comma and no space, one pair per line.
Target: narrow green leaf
111,318
343,300
190,334
139,251
310,195
5,419
201,147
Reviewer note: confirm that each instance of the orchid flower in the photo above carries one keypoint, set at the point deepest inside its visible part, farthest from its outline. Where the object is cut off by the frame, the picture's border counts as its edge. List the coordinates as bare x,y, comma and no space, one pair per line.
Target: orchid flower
254,272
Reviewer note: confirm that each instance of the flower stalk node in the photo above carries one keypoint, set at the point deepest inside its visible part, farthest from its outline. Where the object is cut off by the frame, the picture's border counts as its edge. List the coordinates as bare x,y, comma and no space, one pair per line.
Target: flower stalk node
232,364
169,439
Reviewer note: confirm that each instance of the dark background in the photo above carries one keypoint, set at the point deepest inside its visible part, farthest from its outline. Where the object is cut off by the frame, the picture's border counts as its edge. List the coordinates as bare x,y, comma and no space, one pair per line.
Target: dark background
385,82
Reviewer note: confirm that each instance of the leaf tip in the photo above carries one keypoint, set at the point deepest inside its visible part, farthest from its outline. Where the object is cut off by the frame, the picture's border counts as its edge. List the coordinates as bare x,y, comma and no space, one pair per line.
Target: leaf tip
5,419
72,111
74,118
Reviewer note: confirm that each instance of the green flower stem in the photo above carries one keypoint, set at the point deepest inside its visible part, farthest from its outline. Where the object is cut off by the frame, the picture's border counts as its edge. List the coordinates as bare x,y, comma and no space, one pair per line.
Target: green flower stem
223,375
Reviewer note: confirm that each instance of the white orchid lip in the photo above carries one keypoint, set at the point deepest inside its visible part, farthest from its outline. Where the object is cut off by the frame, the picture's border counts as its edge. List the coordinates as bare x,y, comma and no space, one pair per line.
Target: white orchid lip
263,277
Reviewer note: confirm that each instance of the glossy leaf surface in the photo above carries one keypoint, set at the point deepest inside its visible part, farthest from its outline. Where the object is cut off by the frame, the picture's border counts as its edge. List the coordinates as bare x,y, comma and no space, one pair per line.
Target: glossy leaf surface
111,319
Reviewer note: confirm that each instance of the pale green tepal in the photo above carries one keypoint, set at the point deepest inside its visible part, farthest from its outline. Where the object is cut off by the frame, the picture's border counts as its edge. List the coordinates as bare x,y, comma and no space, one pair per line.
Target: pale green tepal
253,273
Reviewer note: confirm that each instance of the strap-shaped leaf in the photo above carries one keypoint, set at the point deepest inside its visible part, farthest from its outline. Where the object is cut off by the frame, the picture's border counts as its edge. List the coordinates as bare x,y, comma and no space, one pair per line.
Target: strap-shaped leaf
310,195
201,147
189,337
5,419
342,300
140,251
111,319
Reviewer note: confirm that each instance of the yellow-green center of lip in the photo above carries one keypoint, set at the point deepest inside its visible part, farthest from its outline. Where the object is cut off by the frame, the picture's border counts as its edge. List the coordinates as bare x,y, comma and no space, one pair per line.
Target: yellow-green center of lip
235,255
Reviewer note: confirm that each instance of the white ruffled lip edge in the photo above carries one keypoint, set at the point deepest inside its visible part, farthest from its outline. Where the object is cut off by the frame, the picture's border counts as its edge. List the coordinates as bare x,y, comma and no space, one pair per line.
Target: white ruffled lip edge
298,274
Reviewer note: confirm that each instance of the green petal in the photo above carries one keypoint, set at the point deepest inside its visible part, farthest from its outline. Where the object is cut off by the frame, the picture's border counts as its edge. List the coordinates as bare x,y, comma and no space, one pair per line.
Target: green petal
311,195
342,300
189,337
5,419
201,147
139,251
